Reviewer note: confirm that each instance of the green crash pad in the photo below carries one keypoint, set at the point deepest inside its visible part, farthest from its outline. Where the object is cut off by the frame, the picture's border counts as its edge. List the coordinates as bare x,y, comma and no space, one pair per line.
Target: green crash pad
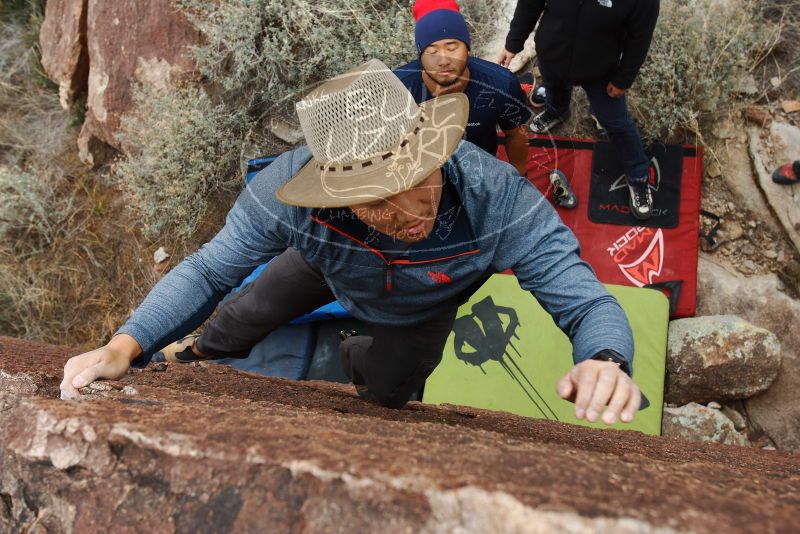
516,369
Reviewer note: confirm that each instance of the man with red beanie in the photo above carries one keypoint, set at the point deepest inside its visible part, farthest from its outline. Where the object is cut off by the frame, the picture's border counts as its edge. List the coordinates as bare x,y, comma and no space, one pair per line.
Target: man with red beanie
445,67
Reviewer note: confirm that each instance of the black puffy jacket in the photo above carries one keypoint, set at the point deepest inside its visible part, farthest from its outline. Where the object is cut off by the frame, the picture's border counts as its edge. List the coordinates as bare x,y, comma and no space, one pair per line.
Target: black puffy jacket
587,40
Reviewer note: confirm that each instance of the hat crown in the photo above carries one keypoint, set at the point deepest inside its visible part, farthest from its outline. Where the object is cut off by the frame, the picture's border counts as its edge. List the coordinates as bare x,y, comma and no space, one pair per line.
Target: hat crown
358,115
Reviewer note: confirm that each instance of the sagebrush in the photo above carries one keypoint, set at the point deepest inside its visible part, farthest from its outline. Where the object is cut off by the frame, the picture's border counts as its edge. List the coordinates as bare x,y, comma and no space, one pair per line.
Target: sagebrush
700,50
259,57
68,267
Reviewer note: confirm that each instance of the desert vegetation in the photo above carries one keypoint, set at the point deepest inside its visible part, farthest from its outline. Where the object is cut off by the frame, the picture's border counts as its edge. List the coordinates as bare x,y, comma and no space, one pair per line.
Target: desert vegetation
76,244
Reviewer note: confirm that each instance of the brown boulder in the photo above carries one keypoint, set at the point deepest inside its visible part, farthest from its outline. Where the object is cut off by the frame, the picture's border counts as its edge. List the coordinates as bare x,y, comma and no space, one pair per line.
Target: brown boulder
202,447
719,357
758,300
62,38
146,41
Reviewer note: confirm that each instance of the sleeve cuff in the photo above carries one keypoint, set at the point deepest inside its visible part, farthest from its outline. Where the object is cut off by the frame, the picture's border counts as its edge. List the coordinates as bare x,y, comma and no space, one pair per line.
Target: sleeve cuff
515,46
608,355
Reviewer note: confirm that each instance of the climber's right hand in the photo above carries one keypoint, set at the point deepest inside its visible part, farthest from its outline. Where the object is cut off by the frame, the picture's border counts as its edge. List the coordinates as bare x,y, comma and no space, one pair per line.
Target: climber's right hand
111,361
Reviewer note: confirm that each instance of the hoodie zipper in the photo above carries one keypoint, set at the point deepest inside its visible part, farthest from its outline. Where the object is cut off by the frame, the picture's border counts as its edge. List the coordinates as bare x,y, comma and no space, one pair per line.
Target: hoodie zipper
389,275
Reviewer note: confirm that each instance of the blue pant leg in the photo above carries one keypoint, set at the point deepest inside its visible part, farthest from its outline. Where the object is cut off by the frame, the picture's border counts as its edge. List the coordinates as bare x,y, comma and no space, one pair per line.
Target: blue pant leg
622,131
558,91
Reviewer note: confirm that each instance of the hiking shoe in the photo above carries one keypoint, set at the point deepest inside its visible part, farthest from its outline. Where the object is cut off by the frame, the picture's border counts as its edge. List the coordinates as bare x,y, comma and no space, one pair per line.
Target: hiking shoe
179,351
640,200
562,192
788,174
545,121
538,97
601,132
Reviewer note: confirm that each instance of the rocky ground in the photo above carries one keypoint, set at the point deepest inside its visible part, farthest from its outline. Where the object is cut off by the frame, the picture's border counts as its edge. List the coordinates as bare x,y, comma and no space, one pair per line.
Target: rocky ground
206,448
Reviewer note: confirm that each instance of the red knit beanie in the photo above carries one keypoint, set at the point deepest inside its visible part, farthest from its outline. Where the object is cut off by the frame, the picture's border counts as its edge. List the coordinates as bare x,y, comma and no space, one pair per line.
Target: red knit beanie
423,7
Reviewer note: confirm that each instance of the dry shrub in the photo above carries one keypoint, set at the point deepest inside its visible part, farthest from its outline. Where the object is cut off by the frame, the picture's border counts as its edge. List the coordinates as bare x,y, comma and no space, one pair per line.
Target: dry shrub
68,267
700,49
259,57
65,277
185,156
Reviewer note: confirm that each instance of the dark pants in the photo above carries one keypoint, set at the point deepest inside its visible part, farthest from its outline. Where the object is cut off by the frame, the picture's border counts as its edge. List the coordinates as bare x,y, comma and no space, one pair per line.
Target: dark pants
388,367
612,113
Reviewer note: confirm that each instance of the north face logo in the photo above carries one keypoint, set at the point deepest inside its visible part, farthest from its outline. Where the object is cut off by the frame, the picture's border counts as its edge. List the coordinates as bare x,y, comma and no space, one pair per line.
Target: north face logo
439,277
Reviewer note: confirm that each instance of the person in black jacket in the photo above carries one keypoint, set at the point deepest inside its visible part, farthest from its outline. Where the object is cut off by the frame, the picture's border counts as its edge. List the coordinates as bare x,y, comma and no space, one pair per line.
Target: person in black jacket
599,45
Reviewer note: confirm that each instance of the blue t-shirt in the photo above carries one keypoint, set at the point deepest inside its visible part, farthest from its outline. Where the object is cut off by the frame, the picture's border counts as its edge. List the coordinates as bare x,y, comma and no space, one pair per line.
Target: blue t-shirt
495,99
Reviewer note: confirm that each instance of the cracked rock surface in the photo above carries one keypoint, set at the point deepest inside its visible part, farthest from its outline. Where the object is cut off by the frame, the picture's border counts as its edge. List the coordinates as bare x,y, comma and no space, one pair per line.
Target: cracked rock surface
205,448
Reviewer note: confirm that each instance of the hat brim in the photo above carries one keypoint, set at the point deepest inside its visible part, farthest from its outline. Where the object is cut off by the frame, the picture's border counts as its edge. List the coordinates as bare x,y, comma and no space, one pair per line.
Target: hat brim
441,127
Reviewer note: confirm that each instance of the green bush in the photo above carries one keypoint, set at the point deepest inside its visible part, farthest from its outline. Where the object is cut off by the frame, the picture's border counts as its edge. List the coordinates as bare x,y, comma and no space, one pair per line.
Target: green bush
259,57
700,49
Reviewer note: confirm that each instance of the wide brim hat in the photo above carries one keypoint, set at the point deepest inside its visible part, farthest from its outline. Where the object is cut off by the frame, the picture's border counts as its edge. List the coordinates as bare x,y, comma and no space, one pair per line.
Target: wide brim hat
370,140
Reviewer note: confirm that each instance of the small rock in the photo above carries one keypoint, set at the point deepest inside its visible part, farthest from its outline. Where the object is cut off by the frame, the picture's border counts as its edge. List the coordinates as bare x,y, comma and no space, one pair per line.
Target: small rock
714,171
790,106
746,85
733,231
100,386
726,130
738,420
748,250
160,255
758,115
757,437
752,224
731,206
130,390
755,299
771,254
714,405
775,81
720,357
286,132
749,265
780,286
781,256
698,423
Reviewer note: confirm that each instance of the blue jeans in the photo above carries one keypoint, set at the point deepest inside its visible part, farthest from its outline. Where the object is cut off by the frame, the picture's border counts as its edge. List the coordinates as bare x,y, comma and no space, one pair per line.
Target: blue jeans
612,114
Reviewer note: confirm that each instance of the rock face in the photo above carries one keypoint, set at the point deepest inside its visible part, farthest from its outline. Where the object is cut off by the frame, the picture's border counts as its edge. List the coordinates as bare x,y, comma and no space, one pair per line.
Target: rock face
758,300
130,41
107,47
62,38
696,422
201,447
782,145
719,358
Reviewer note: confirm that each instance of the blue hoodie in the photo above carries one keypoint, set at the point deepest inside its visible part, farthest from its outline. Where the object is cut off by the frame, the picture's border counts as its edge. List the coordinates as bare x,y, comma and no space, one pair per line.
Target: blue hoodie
490,219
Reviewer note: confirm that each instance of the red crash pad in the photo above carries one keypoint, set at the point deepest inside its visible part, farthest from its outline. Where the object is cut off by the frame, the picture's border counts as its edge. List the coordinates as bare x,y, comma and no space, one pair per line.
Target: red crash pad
630,254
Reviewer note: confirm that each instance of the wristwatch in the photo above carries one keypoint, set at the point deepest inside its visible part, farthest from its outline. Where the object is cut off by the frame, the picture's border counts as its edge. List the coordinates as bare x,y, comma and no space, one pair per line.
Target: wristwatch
608,355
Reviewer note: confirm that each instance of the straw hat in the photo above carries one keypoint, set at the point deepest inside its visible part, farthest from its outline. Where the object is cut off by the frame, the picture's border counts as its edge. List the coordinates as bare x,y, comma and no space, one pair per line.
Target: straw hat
370,140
